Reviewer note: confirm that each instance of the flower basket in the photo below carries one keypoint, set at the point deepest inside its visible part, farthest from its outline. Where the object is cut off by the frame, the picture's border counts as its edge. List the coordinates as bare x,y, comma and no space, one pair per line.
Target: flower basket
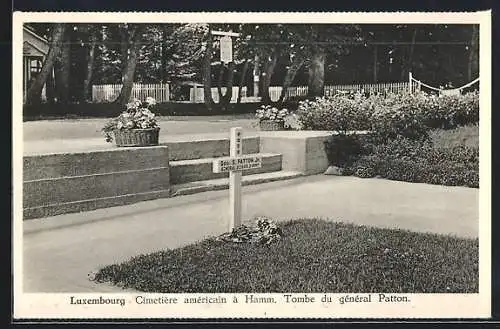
136,137
271,125
136,126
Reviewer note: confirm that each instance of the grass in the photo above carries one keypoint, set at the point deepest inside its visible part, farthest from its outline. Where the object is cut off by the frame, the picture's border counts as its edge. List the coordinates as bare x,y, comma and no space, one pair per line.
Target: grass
313,256
465,135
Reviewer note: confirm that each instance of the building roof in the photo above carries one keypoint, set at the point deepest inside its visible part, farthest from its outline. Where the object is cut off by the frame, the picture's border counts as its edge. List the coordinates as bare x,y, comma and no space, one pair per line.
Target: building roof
31,32
31,40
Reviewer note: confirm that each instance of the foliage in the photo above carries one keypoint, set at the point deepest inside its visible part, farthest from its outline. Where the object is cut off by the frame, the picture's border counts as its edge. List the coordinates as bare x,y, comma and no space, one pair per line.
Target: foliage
465,135
292,122
338,113
173,52
312,256
451,111
268,112
398,115
420,162
136,116
342,150
389,116
107,110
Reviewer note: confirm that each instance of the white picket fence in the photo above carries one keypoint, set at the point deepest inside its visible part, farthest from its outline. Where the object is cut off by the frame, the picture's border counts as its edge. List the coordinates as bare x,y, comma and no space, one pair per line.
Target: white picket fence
275,92
197,95
161,92
301,91
392,87
109,93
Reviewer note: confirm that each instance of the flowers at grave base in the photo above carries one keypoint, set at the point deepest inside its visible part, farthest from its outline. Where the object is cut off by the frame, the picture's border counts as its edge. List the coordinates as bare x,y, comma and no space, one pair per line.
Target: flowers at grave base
268,112
137,115
265,231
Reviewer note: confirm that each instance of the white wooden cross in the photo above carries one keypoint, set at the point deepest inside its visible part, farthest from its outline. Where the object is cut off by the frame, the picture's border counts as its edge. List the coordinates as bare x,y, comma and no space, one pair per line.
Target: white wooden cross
235,164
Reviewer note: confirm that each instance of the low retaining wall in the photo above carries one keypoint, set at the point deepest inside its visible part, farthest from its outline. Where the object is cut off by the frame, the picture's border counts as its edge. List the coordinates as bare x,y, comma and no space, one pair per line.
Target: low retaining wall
71,182
302,151
208,148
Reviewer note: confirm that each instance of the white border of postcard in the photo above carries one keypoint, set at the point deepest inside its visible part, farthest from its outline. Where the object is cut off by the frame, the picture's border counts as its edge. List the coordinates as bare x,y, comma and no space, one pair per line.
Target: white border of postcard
57,306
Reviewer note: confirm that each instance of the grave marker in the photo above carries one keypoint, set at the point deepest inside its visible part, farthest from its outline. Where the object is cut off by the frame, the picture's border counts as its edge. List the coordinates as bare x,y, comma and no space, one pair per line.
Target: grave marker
226,45
235,164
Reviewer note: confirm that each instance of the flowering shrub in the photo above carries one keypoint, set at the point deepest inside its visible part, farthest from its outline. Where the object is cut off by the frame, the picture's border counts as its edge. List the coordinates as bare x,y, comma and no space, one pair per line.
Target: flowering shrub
136,116
390,115
398,115
338,113
268,112
450,111
292,122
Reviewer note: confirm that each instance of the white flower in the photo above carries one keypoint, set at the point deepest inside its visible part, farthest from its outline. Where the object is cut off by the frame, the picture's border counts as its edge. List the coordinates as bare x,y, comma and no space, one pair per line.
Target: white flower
150,101
131,106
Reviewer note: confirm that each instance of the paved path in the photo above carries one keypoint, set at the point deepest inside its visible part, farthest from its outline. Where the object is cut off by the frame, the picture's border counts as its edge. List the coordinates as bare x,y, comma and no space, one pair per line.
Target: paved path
60,251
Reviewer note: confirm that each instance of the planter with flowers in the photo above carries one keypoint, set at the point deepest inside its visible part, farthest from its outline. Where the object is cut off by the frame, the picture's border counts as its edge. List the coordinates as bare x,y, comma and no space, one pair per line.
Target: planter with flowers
270,118
136,126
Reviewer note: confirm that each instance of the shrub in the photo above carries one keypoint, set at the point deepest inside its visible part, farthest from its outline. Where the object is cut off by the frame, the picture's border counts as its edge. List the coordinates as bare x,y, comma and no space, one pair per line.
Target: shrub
108,110
342,150
337,113
451,111
398,115
268,112
390,115
420,162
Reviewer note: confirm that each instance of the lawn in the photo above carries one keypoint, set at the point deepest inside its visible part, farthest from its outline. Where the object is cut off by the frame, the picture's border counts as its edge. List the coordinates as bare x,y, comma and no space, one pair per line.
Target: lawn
312,256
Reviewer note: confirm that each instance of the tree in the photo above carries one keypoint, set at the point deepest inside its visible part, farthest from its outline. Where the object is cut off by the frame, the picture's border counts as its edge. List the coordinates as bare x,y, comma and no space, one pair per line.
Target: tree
331,39
242,79
207,71
473,62
62,68
87,88
265,43
133,45
34,92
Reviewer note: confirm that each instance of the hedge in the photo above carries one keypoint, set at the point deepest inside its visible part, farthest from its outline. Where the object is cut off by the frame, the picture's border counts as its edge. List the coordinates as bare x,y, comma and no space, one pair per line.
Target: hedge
391,115
419,162
106,110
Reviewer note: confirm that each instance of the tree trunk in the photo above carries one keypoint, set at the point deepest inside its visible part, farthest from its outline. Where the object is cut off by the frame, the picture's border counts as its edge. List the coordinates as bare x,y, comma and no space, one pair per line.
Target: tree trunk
408,62
33,95
375,64
164,57
50,88
290,76
242,80
124,46
473,65
226,99
63,82
255,78
207,74
129,72
269,66
316,81
87,87
219,81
